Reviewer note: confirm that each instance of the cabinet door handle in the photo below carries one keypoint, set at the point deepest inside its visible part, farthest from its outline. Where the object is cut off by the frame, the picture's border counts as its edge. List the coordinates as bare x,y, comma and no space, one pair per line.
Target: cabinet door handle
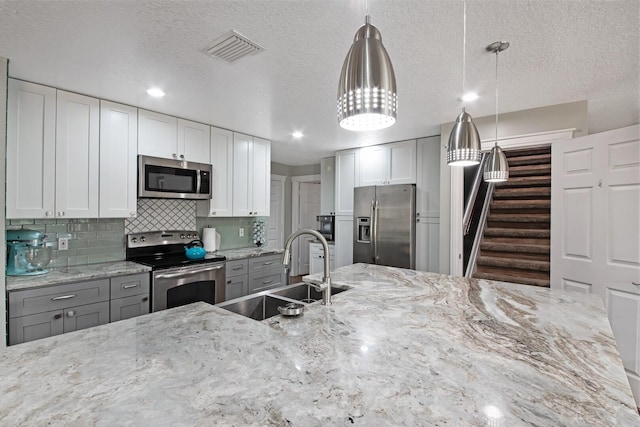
61,213
71,313
145,299
266,282
57,316
636,284
238,267
228,282
267,263
129,286
63,297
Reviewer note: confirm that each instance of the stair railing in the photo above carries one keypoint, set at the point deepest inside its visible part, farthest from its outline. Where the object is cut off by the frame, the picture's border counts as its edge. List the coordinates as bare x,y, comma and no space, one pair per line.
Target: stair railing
470,203
471,265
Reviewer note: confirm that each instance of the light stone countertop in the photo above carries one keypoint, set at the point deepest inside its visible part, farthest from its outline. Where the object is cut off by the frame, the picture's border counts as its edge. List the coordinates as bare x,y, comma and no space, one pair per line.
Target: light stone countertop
75,274
400,348
250,252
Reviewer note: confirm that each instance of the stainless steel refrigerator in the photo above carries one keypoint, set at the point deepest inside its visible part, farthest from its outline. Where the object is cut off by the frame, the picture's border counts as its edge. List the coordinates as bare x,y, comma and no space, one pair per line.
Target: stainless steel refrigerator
384,219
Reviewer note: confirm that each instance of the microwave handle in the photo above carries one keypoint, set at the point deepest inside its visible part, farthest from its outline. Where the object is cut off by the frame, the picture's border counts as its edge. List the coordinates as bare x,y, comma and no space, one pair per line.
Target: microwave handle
198,181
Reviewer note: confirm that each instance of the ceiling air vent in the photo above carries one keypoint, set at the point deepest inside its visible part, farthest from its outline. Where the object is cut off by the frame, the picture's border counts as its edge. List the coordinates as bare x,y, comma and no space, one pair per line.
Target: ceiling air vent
233,46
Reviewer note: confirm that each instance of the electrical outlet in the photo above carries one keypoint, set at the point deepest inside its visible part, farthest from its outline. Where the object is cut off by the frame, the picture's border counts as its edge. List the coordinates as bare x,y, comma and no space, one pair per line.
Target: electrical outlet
63,243
241,231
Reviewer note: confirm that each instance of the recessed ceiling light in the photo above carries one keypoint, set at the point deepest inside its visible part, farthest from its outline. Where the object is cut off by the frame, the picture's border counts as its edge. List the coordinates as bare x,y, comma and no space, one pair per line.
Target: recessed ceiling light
155,92
297,134
468,97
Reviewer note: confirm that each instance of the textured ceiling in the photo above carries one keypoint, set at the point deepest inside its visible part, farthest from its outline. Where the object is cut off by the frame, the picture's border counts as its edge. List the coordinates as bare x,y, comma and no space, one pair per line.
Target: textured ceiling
561,51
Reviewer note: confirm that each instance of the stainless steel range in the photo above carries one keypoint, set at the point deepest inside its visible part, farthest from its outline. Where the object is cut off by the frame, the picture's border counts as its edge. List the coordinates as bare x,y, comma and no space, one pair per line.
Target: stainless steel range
175,279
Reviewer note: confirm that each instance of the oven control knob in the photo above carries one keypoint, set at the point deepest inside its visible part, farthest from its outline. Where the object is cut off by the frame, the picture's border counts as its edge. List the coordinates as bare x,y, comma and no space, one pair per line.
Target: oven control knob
188,236
142,239
182,236
134,239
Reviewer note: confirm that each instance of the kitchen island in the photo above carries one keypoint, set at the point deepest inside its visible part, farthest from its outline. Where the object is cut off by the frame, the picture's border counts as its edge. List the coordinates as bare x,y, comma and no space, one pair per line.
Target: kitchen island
399,348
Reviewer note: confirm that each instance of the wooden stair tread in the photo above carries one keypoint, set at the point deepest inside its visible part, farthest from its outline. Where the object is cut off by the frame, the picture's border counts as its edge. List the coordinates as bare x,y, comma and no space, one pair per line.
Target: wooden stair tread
518,240
520,192
515,255
513,279
517,232
528,181
520,204
539,217
520,264
529,160
529,170
514,247
517,152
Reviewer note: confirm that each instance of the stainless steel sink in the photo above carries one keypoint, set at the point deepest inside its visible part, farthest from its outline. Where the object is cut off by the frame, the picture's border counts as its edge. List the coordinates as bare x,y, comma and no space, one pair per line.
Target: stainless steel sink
257,307
304,292
264,305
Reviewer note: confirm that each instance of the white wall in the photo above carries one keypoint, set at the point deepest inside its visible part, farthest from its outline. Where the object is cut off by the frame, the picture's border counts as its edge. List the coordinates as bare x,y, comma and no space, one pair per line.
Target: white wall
554,117
3,143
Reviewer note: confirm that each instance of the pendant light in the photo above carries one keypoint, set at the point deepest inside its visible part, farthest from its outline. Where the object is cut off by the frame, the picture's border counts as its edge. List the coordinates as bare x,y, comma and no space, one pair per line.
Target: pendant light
367,96
464,142
496,168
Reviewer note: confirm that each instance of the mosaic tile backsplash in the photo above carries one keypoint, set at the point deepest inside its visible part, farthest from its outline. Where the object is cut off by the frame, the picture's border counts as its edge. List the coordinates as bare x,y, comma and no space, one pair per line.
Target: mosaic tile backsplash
163,214
90,240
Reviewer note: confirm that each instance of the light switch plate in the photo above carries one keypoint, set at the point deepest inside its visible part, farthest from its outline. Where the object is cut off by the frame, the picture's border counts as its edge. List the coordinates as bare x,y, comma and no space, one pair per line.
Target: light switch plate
63,244
241,232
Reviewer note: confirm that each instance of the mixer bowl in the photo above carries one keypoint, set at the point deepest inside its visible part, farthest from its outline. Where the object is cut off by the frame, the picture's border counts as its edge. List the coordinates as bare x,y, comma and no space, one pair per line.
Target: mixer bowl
34,258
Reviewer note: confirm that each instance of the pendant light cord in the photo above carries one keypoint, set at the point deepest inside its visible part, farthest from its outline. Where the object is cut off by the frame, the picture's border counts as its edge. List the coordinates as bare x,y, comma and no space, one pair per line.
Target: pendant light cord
464,46
497,51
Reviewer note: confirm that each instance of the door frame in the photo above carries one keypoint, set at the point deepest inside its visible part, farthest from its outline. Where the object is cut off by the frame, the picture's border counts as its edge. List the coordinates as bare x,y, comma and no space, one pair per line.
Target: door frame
456,235
281,179
295,214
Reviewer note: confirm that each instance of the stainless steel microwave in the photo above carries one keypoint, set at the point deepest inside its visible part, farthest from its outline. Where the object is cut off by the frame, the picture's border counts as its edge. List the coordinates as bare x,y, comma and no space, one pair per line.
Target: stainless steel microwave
173,179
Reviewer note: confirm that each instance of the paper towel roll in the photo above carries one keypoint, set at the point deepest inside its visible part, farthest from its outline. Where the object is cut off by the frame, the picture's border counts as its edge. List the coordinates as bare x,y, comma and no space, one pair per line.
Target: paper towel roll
211,239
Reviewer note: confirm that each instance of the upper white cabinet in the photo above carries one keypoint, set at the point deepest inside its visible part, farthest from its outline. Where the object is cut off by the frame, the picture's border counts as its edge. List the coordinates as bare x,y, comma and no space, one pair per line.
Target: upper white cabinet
327,185
428,205
52,153
165,136
77,155
251,176
347,178
157,135
118,165
384,164
31,150
193,141
221,160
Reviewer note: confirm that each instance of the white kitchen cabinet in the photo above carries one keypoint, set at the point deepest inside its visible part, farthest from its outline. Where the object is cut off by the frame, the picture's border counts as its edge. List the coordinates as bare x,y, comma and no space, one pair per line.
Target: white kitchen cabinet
327,186
118,160
428,204
157,135
251,176
160,135
316,258
343,241
221,160
347,178
385,164
77,155
31,155
193,141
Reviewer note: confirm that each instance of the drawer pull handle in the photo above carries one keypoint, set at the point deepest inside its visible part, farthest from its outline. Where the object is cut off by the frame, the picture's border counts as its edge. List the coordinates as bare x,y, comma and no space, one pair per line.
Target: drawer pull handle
636,284
266,282
57,316
267,263
129,286
145,299
238,267
63,297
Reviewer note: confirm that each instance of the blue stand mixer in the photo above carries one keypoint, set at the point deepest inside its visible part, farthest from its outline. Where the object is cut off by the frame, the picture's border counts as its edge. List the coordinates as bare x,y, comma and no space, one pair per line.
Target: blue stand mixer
26,253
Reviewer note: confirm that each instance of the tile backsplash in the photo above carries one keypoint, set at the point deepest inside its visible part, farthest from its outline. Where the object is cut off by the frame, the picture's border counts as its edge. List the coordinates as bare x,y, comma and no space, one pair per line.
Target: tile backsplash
228,228
162,214
90,240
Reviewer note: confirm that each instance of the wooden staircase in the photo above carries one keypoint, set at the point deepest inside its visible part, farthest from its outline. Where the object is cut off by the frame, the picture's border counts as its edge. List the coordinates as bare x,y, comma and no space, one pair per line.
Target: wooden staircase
516,242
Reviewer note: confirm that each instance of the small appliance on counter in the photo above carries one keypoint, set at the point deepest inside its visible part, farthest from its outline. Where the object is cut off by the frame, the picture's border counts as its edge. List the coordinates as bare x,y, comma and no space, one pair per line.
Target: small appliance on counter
327,226
26,253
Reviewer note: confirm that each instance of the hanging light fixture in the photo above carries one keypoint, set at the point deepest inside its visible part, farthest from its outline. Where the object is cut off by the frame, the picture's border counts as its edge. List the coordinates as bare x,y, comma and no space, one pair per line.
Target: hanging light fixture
496,168
367,97
464,142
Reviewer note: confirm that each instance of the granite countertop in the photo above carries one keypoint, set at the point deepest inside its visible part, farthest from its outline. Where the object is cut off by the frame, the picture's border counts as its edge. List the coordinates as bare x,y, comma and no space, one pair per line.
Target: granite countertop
75,274
400,348
240,253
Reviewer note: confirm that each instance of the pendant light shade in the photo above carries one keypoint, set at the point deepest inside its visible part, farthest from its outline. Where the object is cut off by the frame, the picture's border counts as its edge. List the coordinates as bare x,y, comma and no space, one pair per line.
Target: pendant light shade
464,142
496,168
367,97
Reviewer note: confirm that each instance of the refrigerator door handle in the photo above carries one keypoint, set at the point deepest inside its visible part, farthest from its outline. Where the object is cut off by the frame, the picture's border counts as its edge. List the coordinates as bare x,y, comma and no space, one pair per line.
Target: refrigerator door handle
374,233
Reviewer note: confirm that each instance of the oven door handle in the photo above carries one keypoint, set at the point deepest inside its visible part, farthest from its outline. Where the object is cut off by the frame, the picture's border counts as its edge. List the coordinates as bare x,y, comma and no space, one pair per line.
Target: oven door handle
187,273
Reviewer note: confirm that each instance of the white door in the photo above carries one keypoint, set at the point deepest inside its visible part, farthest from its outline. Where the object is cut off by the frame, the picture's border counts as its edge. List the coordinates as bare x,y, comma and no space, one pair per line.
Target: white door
309,210
275,236
595,229
118,155
344,240
347,178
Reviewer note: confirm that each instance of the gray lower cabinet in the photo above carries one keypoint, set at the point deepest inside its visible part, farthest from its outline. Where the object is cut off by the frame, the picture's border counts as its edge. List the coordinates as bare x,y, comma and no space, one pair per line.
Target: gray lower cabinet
129,296
53,310
250,275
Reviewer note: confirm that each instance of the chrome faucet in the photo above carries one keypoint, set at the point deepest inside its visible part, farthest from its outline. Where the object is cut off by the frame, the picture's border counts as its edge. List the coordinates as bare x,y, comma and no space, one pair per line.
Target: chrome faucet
325,286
